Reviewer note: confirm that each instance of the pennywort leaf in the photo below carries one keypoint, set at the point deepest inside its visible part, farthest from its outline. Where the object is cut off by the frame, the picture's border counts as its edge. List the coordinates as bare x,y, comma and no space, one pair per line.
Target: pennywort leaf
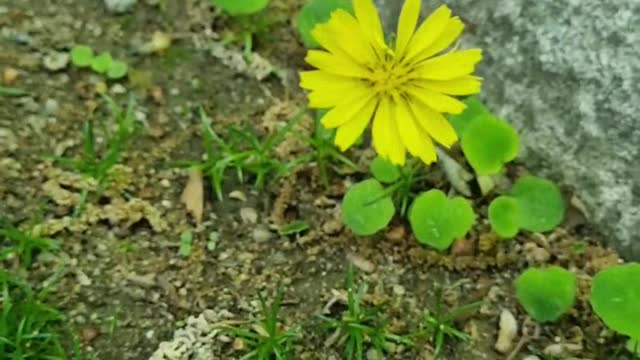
615,295
384,171
546,294
437,220
366,209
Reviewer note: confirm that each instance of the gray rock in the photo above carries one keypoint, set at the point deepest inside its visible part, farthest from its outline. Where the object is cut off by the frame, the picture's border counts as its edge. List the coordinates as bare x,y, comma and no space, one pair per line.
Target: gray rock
55,61
567,75
119,6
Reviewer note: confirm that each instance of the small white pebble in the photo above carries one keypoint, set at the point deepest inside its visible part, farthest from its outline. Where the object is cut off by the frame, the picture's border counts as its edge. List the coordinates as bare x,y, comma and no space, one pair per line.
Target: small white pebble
249,215
507,333
238,195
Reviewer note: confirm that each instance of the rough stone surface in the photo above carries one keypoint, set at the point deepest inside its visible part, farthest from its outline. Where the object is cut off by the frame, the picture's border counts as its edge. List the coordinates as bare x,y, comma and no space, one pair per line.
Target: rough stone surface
567,74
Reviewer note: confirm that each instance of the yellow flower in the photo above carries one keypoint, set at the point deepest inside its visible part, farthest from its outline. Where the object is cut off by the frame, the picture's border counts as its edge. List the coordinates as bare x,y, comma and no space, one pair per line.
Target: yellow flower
405,90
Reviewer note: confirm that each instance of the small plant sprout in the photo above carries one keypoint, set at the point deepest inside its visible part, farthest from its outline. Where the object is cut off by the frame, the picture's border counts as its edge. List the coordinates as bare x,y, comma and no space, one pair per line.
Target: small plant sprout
546,294
360,326
186,243
94,164
438,325
22,245
317,12
98,164
615,295
245,152
267,339
84,57
534,204
487,142
437,220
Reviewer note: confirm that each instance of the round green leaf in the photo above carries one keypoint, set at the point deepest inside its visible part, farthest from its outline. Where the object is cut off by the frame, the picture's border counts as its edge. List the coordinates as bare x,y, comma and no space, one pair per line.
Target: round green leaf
437,220
81,56
317,12
366,209
489,143
475,108
384,171
504,215
241,7
546,294
615,297
117,70
540,202
102,63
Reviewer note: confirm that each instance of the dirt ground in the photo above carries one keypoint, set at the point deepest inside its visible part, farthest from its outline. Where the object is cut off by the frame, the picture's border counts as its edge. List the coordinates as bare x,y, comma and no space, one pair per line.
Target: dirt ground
126,287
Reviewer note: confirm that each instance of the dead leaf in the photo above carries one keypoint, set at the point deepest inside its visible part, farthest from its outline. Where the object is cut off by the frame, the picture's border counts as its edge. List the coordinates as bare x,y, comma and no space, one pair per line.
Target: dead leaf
193,195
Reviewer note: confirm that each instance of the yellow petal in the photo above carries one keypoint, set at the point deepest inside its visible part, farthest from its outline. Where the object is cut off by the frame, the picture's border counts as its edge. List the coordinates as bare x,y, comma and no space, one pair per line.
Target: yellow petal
318,80
370,24
328,98
428,32
347,110
407,24
449,66
380,127
414,138
335,64
451,32
395,147
348,133
343,36
328,90
437,101
466,85
434,124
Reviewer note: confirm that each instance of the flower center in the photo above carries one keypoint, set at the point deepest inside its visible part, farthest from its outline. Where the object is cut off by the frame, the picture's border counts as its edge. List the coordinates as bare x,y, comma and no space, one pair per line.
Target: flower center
389,75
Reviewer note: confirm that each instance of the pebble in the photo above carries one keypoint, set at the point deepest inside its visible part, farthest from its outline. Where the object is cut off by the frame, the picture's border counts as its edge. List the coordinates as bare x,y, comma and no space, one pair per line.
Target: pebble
535,253
261,234
8,140
249,215
55,61
508,330
118,89
361,263
119,6
332,227
462,247
82,278
562,350
238,195
9,76
397,233
51,107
